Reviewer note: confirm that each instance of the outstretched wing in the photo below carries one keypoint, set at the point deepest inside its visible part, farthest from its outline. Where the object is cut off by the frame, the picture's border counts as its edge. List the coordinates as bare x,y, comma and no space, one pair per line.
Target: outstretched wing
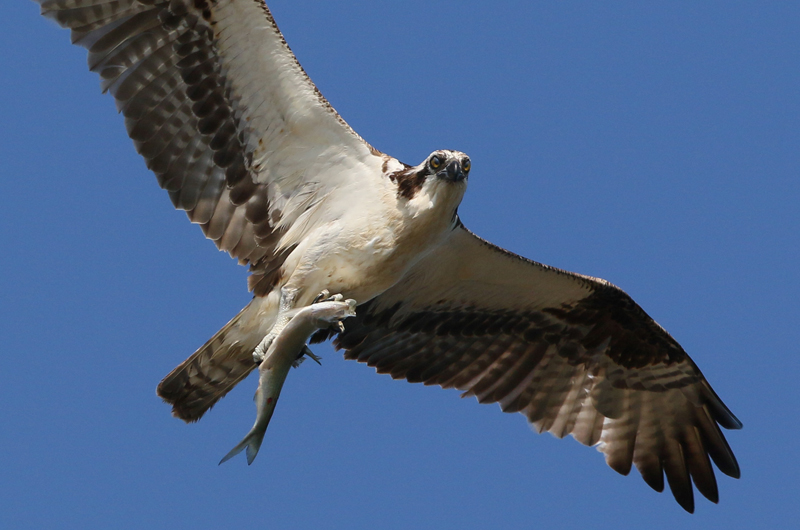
226,118
574,354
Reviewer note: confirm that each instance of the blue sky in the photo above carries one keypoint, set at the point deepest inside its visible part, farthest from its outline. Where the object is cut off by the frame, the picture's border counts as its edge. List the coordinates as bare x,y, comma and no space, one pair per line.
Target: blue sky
653,145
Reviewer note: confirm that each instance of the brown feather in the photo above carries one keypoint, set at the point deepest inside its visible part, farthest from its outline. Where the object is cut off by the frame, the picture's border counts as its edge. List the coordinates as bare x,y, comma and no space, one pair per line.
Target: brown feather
214,369
595,366
161,66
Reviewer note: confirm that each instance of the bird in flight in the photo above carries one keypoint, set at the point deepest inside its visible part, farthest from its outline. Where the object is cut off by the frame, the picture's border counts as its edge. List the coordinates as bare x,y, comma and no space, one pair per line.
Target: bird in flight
245,144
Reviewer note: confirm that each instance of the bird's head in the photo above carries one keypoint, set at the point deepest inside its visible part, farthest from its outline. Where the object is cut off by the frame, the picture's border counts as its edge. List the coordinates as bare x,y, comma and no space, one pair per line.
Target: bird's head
452,166
443,170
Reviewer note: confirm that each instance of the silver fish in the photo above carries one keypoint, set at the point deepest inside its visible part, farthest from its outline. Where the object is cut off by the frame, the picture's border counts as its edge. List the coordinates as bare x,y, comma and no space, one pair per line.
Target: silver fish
282,353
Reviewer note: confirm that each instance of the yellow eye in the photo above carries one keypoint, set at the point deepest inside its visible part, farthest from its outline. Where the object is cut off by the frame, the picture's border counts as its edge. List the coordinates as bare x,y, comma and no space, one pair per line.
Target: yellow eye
465,165
436,162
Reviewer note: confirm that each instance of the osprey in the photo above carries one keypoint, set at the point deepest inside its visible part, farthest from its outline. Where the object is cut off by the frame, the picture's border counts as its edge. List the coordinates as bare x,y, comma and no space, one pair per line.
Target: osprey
242,140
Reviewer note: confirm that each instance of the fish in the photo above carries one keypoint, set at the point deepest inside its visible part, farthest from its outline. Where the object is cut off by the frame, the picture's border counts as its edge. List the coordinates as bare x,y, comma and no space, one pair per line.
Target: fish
284,352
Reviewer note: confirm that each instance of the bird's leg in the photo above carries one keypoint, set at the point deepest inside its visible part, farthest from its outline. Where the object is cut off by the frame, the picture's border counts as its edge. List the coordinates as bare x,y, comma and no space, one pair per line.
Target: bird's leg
288,297
287,302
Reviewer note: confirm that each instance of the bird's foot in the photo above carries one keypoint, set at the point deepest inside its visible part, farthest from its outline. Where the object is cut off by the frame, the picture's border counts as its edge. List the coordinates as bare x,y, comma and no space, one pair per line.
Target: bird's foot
326,314
325,296
326,310
331,311
263,347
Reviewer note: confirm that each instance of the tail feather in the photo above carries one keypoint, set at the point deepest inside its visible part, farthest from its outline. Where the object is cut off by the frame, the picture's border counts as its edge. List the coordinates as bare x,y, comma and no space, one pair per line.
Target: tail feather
215,368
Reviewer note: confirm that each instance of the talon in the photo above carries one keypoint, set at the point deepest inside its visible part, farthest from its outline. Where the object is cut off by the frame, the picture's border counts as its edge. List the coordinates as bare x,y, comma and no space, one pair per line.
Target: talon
323,295
340,326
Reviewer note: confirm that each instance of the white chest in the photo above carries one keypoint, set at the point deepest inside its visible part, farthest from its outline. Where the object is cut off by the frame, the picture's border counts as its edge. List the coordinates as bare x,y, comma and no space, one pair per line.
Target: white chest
368,249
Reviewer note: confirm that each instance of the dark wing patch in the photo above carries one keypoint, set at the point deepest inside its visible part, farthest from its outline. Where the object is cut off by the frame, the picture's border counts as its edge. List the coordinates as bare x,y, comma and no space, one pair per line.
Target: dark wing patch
635,339
597,367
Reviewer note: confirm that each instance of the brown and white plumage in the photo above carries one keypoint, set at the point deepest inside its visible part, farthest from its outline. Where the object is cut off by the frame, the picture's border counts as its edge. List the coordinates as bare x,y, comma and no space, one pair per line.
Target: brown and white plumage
242,140
574,354
238,135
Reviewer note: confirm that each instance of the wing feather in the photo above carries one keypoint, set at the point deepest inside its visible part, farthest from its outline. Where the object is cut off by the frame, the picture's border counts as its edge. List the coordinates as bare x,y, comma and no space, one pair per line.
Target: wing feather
226,118
574,354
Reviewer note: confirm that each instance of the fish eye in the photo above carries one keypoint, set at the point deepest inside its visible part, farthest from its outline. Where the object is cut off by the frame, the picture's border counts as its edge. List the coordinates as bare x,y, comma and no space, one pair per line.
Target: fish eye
436,162
465,165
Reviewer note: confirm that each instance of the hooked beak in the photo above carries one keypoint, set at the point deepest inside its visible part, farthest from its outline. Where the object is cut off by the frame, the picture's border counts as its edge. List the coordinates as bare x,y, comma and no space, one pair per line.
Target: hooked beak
452,172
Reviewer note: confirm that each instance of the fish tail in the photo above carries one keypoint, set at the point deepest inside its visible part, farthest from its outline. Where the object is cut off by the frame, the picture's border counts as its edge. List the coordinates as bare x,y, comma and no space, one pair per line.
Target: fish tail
251,442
